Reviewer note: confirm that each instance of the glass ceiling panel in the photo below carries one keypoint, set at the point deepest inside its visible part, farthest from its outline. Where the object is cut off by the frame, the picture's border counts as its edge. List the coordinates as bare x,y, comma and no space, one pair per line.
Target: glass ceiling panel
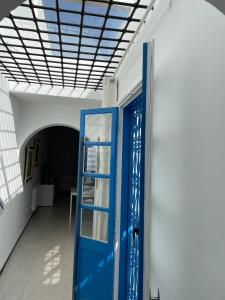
69,18
50,46
21,11
116,10
34,44
53,28
49,3
96,7
6,22
70,30
14,49
9,32
93,21
69,48
69,39
70,5
112,23
67,42
25,24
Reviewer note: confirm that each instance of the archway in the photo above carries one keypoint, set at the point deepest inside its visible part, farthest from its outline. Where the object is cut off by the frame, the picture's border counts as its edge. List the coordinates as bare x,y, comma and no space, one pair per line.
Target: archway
32,131
55,159
48,233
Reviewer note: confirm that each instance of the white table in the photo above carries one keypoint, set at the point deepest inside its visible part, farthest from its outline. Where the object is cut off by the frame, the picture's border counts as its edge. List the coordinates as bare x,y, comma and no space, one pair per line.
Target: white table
73,192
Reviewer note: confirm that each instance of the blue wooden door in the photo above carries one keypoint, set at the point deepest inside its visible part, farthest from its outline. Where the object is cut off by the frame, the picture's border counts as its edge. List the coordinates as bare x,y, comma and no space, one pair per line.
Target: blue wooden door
136,112
94,246
132,196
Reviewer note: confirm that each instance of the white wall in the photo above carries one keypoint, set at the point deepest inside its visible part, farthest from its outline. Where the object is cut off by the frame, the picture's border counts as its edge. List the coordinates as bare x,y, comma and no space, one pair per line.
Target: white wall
38,112
15,194
22,116
16,198
188,161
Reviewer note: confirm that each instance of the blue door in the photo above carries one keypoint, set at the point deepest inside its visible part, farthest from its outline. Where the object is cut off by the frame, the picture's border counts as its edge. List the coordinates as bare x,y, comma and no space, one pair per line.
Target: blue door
135,217
94,246
132,197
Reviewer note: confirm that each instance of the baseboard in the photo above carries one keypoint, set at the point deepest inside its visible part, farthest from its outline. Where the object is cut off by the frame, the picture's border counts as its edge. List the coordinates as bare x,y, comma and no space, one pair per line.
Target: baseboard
2,269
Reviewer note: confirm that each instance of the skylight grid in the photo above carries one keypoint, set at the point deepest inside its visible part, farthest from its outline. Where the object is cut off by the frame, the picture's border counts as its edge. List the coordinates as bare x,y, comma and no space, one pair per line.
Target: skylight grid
70,43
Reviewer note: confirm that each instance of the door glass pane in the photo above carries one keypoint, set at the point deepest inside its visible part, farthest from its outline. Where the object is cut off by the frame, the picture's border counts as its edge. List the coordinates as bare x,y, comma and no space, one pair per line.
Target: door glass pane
98,127
94,224
97,159
95,191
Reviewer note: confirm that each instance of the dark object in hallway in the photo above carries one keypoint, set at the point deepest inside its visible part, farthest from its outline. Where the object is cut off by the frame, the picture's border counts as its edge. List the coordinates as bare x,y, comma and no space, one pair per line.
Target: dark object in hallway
46,174
62,156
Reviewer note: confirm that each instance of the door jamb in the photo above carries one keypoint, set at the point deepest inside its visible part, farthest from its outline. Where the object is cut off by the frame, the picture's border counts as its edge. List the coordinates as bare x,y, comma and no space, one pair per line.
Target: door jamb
124,203
148,168
146,85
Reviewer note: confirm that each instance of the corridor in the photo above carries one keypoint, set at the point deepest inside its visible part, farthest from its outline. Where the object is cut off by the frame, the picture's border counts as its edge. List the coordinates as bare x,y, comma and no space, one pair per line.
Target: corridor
112,118
40,267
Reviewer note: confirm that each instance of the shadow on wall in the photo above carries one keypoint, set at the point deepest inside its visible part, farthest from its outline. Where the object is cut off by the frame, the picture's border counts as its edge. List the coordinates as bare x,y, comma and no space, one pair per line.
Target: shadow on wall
11,182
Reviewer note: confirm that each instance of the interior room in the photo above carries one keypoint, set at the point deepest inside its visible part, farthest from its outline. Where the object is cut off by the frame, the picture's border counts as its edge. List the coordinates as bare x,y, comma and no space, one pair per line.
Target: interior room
111,149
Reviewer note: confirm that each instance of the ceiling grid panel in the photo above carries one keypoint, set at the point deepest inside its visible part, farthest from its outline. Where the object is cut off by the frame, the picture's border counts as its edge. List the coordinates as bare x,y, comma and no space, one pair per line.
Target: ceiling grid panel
68,43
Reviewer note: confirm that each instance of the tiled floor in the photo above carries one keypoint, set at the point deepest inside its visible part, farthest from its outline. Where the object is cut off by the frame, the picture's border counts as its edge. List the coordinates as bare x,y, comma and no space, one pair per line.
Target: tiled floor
40,267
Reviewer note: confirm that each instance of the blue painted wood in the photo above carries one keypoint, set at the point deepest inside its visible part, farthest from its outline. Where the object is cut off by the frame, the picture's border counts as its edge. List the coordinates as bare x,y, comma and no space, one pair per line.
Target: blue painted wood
96,175
94,260
94,207
97,143
135,200
132,206
124,206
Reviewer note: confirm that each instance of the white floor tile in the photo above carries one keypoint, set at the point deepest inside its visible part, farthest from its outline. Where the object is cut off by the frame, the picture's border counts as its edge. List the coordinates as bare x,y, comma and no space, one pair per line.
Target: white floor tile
41,265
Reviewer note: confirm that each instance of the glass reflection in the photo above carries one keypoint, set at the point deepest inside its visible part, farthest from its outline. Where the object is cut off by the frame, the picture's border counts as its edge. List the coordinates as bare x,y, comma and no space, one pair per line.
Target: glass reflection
97,159
95,191
94,224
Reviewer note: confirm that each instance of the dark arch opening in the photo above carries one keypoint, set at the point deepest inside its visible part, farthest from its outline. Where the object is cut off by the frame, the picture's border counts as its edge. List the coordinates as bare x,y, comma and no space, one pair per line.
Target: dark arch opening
56,163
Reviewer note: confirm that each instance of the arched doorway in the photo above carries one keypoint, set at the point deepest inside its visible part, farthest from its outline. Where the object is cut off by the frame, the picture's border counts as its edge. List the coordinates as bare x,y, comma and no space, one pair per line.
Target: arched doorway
43,257
56,161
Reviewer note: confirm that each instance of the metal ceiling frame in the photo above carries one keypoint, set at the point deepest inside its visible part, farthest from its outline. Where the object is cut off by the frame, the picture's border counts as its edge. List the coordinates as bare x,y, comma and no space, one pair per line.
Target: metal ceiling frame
79,68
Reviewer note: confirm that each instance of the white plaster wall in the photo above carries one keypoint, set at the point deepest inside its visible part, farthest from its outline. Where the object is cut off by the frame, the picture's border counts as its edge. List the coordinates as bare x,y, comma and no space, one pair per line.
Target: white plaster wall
130,72
188,226
15,194
29,114
38,112
188,159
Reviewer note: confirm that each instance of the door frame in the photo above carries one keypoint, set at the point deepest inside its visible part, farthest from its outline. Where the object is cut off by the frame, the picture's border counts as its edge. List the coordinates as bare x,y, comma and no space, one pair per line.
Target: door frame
145,87
125,204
